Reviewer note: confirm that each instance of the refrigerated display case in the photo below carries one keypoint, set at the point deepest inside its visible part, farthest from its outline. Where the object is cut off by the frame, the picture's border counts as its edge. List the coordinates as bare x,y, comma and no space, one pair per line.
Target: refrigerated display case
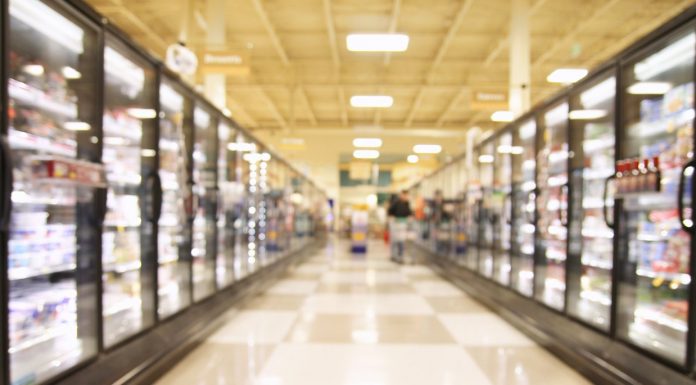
552,201
205,197
52,232
174,232
487,215
591,237
654,167
473,214
524,190
502,206
229,205
129,159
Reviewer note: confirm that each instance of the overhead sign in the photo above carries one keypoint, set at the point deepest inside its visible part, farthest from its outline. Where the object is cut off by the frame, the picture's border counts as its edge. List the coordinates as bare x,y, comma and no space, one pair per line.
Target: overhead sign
181,59
489,100
360,170
234,63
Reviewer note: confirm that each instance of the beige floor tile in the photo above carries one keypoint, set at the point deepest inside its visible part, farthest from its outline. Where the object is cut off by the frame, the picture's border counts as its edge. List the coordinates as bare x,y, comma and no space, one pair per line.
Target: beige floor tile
293,287
367,304
255,327
523,365
483,329
361,288
390,329
456,305
437,289
275,302
219,364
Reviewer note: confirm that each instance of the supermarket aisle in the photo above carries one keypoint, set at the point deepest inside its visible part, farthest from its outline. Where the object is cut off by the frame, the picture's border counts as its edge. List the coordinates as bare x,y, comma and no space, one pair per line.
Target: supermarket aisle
348,319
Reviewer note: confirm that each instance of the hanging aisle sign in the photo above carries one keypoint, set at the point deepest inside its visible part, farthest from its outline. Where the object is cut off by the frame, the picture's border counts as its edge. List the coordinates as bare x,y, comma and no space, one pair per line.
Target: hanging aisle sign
234,63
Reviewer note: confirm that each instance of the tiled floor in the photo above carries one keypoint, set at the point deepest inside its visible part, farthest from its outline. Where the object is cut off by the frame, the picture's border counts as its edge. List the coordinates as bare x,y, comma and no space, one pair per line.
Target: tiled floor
342,319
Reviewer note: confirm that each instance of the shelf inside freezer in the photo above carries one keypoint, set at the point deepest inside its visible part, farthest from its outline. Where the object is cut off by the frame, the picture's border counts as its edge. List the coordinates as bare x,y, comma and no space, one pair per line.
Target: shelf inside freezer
590,146
597,263
594,232
649,201
663,126
595,296
20,140
681,278
122,267
34,97
18,273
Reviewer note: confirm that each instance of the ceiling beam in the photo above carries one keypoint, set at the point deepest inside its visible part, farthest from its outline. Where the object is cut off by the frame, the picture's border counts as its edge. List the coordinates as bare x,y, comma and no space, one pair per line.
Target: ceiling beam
239,112
331,32
268,26
442,50
308,106
568,37
273,108
453,103
505,40
119,7
393,23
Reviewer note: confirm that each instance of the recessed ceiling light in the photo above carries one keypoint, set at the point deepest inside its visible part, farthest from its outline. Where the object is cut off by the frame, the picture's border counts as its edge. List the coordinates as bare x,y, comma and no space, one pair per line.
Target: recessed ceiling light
412,159
33,69
142,113
649,88
427,148
566,75
241,146
586,114
367,142
502,116
486,158
377,42
371,101
366,154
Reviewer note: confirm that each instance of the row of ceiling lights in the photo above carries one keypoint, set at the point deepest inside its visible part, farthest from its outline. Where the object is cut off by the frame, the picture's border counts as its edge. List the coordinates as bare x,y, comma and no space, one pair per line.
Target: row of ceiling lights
366,149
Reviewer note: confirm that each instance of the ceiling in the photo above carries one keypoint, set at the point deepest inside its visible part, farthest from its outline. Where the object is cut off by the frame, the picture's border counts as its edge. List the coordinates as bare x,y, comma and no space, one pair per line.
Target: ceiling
302,75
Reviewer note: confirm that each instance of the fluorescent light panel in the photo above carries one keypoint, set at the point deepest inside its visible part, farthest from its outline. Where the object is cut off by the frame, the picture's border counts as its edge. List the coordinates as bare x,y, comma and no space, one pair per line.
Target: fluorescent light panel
241,146
486,158
371,101
502,116
412,159
70,73
427,148
142,113
377,42
649,88
366,154
566,75
508,149
367,142
76,126
587,114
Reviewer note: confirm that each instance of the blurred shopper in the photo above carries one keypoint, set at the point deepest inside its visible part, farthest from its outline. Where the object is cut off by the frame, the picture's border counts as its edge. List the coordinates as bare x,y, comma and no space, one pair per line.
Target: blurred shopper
441,218
399,214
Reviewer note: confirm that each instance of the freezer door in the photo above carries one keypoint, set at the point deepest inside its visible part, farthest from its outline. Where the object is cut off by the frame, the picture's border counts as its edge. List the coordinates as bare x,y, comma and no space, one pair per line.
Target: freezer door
129,153
174,232
502,207
229,205
552,201
524,207
655,235
488,213
206,194
52,232
591,239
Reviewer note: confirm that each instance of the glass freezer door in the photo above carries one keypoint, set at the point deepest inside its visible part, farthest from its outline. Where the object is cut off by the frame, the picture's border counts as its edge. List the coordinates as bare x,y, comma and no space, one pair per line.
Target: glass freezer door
591,242
502,203
204,189
553,207
655,165
173,237
487,213
128,154
52,237
524,206
229,205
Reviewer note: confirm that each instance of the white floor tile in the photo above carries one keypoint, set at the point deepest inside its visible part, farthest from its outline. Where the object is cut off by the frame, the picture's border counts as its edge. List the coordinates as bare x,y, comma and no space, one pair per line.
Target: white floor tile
295,364
437,289
312,268
367,304
293,287
259,327
368,277
483,330
417,270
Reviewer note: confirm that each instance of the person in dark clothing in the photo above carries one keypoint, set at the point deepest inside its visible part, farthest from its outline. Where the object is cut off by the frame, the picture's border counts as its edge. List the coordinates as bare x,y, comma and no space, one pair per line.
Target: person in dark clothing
399,213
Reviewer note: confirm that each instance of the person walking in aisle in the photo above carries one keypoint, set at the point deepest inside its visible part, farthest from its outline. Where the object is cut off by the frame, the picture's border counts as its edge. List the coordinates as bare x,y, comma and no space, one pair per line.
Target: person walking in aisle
399,214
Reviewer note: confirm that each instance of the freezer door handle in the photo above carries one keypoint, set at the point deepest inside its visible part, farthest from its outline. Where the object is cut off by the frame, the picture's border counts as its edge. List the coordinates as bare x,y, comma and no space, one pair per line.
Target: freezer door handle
507,208
688,170
605,211
6,208
100,196
158,192
563,213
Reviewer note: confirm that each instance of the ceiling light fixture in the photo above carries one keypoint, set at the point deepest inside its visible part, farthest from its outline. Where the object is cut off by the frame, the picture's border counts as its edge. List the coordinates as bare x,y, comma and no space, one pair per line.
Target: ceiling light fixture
503,116
366,154
586,114
649,88
566,75
371,101
427,148
377,42
142,113
486,158
412,159
367,142
76,126
241,147
70,73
